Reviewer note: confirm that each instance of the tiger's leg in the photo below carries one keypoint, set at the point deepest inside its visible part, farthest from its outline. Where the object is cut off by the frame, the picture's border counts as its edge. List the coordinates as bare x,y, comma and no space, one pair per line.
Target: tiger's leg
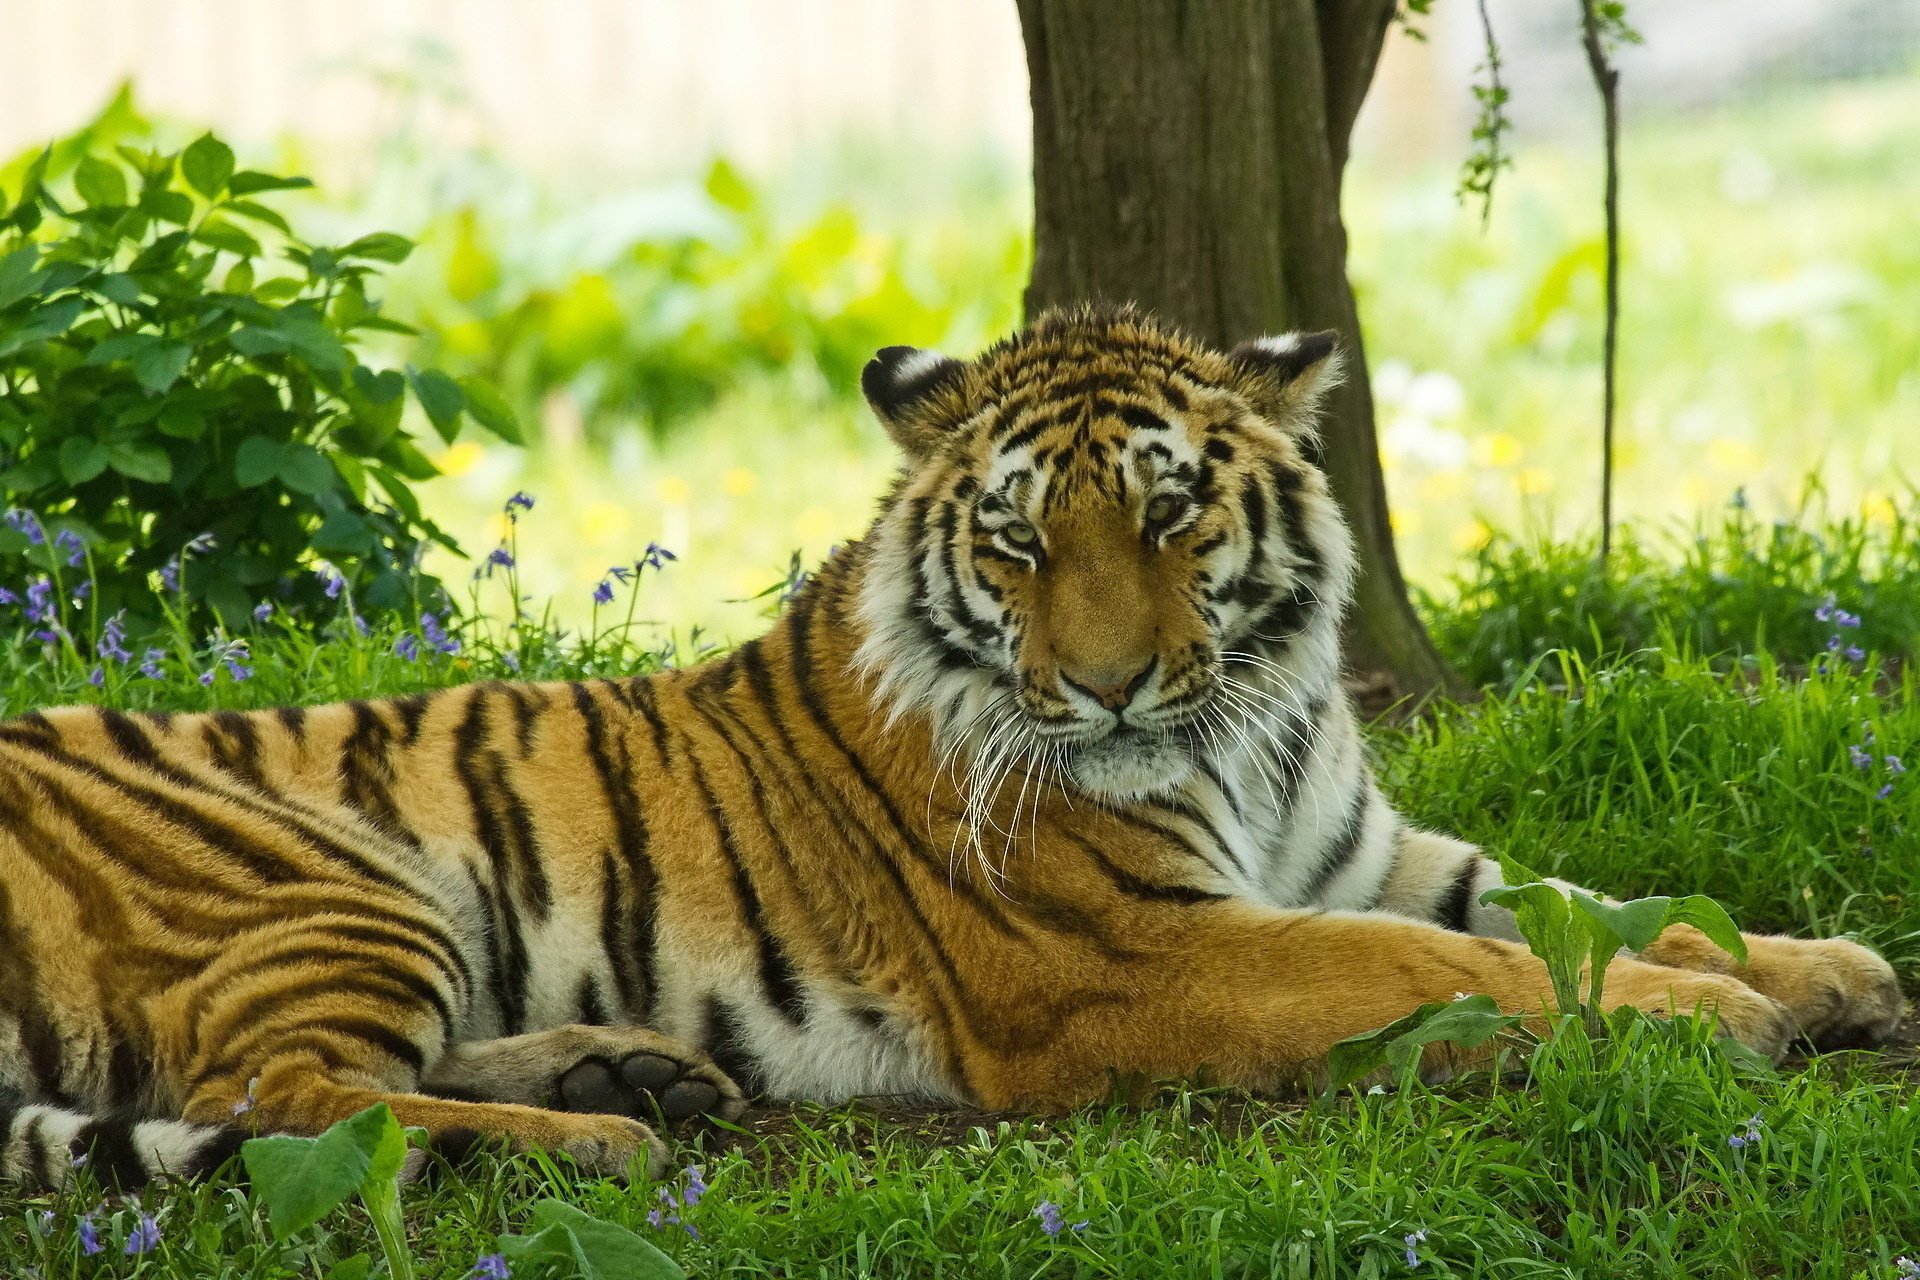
1840,993
1256,998
626,1071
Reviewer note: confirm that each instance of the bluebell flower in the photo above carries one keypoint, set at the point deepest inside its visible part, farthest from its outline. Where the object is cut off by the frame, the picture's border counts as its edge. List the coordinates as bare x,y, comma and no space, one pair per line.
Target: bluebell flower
145,1235
9,596
200,544
70,542
1894,764
521,500
621,572
1413,1240
331,581
40,600
113,639
1858,755
655,556
696,1186
245,1104
150,664
1855,653
408,646
27,523
170,574
603,594
500,557
263,611
1825,612
491,1266
89,1236
206,678
1906,1268
97,677
1883,792
436,635
81,590
1748,1137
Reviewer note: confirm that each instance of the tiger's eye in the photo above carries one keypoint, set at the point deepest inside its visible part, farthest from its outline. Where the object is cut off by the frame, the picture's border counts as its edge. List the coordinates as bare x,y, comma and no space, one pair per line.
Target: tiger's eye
1164,509
1021,534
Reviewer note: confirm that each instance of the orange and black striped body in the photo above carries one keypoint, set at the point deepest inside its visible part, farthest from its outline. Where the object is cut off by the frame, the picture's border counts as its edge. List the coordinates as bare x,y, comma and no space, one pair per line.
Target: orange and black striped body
1047,781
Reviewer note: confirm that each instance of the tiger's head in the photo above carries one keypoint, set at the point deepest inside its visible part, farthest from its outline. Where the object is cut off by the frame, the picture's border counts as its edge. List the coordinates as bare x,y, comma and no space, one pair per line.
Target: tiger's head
1097,519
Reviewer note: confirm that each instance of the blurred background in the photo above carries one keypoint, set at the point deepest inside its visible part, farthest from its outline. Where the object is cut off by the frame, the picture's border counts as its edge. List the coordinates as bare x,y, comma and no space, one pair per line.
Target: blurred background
673,233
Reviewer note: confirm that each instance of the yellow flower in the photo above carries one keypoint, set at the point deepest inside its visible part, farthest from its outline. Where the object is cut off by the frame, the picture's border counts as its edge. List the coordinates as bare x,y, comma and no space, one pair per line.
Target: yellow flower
603,521
814,524
1444,486
1472,535
1497,449
1535,480
738,482
1877,507
1403,521
1729,453
461,457
674,491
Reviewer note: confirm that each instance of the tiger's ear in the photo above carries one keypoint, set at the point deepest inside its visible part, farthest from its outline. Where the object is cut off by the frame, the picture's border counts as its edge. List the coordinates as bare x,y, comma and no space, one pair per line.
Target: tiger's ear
1287,375
914,393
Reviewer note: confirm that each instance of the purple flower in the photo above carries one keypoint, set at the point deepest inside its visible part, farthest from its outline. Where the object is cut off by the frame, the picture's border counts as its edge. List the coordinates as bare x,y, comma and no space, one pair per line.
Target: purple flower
1413,1240
620,571
145,1235
245,1104
1825,612
491,1266
170,574
1841,618
696,1186
150,665
40,600
1894,764
1855,653
513,662
81,590
655,1217
1050,1221
408,646
1906,1268
1883,792
331,581
69,541
200,544
9,596
1833,644
1858,755
500,557
436,635
655,556
49,635
89,1236
521,500
113,639
1749,1137
97,677
45,1221
603,594
206,678
27,523
263,611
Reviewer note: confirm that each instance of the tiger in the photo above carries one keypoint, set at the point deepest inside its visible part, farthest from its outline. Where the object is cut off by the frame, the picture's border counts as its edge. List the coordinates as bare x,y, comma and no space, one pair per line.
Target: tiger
1049,781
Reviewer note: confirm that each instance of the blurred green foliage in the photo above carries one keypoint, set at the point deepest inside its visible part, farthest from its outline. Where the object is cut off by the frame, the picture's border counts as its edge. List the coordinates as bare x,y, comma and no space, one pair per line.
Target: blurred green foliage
645,306
177,363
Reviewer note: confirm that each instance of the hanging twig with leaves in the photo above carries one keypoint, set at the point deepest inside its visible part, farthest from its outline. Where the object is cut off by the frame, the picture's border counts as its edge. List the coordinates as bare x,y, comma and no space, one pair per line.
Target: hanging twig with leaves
1603,27
1489,156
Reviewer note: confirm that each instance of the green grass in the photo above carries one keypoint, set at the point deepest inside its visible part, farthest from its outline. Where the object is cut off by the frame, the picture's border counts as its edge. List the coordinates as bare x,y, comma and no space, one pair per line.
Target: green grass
1665,773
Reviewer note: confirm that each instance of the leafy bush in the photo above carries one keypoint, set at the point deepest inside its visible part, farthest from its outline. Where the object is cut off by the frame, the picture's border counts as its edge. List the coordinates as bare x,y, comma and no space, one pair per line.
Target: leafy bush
161,382
644,306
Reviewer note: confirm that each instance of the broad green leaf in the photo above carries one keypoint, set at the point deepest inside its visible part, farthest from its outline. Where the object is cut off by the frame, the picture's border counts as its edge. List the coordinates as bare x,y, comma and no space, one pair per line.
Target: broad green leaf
258,213
491,410
239,278
118,287
140,461
159,367
343,533
441,397
1710,918
728,189
252,340
225,235
206,165
158,254
1358,1056
598,1250
318,345
48,320
256,461
381,246
17,275
182,422
81,459
383,387
304,1179
305,470
169,206
1633,925
121,346
249,181
358,1267
99,182
1468,1023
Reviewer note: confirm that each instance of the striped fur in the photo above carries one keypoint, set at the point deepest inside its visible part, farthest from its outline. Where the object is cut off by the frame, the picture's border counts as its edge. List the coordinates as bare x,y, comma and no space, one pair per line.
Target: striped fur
1046,782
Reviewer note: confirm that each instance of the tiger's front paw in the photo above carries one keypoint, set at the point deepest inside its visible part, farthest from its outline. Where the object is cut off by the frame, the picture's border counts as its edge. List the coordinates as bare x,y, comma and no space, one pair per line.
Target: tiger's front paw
1842,995
1762,1024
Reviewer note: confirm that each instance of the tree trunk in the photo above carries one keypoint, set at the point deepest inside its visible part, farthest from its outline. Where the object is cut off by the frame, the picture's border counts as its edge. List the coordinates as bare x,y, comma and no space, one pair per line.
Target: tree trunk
1188,157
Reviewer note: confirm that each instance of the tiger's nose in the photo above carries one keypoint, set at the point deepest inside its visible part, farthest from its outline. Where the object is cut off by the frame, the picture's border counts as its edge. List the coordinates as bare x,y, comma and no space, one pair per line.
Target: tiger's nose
1111,691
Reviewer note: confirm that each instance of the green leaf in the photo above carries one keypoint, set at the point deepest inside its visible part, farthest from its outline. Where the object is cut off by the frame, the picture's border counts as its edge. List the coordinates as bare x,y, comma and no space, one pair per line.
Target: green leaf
491,410
318,345
249,181
1468,1023
17,276
1710,918
206,165
182,422
343,533
381,246
1633,925
158,367
121,346
252,340
258,213
169,206
358,1267
118,287
597,1250
239,278
383,387
99,182
48,320
81,459
158,254
256,461
305,469
304,1179
441,397
225,235
140,461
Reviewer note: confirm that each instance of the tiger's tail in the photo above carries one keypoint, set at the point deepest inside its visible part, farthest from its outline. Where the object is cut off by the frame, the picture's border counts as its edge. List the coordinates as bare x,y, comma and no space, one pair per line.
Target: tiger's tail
44,1147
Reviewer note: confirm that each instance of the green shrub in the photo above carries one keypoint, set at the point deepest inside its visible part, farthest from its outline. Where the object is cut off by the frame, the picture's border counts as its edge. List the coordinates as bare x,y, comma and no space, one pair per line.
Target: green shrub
175,362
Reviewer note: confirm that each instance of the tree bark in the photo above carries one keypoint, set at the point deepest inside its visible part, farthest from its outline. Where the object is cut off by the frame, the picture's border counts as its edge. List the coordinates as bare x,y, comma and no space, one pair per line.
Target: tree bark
1188,157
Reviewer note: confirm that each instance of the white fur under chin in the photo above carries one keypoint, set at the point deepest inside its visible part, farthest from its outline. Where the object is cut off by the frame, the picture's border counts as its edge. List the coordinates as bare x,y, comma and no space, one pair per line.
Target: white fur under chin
1133,768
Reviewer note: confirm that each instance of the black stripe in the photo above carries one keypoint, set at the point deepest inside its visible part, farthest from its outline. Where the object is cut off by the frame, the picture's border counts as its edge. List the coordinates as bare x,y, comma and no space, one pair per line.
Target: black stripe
776,971
219,1146
1345,843
107,1145
367,773
632,839
726,1044
593,1011
501,843
1458,910
234,741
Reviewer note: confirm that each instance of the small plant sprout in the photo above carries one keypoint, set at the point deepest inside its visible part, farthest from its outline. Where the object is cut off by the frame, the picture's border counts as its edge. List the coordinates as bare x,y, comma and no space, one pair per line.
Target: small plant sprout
304,1179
